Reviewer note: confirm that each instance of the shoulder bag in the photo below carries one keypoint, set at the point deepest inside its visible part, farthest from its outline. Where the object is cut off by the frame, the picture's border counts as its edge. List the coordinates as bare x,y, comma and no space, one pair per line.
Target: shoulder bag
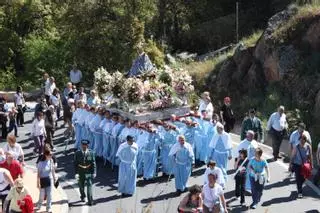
306,168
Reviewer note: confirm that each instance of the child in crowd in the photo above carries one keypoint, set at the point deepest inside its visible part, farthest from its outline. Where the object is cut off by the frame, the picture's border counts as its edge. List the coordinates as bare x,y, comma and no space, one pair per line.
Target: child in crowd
240,177
13,121
212,168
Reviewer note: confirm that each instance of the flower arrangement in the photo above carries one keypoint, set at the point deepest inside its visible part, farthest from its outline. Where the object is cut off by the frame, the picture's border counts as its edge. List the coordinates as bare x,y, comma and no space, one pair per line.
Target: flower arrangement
156,90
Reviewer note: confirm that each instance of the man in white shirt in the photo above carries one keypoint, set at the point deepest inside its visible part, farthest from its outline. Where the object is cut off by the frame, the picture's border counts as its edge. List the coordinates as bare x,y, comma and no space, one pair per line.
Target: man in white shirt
75,76
49,88
276,127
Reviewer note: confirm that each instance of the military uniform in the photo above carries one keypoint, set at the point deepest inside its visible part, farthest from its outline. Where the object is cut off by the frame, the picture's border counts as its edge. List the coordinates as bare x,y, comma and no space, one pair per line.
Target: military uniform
85,167
253,124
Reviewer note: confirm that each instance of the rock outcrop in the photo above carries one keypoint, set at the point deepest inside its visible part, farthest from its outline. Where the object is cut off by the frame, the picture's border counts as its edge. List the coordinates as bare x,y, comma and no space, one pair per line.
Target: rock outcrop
283,67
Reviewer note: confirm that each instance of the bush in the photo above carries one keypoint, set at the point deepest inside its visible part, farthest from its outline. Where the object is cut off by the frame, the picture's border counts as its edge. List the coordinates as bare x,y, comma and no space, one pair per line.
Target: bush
46,55
155,53
7,80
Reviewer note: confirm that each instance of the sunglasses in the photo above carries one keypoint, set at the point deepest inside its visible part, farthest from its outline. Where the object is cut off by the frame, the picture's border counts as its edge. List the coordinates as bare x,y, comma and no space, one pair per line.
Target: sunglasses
20,188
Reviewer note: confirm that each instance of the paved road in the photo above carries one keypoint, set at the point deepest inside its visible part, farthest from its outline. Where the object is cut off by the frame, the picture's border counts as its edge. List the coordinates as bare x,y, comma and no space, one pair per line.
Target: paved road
279,195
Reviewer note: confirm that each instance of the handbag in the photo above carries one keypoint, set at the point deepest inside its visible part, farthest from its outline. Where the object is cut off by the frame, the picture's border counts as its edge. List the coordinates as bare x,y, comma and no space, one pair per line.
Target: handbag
45,182
306,169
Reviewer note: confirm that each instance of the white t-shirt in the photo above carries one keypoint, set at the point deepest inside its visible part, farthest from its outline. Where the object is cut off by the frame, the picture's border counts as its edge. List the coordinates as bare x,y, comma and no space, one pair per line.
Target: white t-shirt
75,76
16,150
18,97
38,128
211,196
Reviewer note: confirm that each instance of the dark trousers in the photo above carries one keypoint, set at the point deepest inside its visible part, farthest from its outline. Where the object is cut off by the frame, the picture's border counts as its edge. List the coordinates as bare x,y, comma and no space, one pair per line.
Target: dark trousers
228,126
49,137
38,144
20,116
13,126
4,129
240,187
299,178
256,190
85,179
277,137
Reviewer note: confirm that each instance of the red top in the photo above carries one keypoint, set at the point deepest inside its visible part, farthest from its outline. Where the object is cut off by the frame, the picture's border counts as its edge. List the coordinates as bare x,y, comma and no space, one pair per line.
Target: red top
14,168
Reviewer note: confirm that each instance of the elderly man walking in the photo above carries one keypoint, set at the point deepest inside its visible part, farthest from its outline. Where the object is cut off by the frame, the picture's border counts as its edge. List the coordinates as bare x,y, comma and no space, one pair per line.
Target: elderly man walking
276,127
183,158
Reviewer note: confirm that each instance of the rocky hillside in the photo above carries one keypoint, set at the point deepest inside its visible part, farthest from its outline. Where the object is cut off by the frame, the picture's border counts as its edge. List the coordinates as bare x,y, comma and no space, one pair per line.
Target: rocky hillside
282,68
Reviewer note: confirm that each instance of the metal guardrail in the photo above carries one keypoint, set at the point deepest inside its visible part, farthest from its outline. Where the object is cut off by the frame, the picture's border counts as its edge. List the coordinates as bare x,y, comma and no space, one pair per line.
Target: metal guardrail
215,53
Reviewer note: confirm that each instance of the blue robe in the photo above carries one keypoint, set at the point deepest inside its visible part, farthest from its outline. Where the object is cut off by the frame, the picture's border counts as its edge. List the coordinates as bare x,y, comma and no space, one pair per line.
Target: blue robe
128,168
189,133
96,132
150,155
183,158
141,141
220,154
208,131
169,139
76,118
114,142
106,139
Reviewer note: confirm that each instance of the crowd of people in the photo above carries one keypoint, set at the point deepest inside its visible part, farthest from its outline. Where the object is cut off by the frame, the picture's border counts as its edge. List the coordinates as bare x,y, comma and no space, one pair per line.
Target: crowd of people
14,195
172,147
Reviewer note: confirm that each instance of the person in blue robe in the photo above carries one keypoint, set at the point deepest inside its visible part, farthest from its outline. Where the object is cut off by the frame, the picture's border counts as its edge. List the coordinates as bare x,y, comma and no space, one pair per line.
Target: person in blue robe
221,145
89,119
189,132
114,139
127,178
99,147
76,119
183,158
111,121
97,130
141,142
169,139
85,113
150,154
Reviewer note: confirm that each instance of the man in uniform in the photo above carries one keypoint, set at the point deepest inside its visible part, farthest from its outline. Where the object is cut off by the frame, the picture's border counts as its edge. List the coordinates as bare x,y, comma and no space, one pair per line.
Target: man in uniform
85,169
252,123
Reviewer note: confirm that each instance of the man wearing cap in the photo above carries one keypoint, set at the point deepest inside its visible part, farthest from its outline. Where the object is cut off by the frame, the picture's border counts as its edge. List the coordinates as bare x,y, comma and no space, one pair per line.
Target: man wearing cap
221,146
85,170
127,153
227,116
276,127
183,158
252,123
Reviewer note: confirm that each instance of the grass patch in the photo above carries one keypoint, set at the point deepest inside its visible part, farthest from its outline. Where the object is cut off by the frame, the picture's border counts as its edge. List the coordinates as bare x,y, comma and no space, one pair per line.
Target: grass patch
251,40
200,70
297,23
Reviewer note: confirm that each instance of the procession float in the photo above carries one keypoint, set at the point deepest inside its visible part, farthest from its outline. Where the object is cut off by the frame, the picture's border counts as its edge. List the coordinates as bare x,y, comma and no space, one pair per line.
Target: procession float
145,93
